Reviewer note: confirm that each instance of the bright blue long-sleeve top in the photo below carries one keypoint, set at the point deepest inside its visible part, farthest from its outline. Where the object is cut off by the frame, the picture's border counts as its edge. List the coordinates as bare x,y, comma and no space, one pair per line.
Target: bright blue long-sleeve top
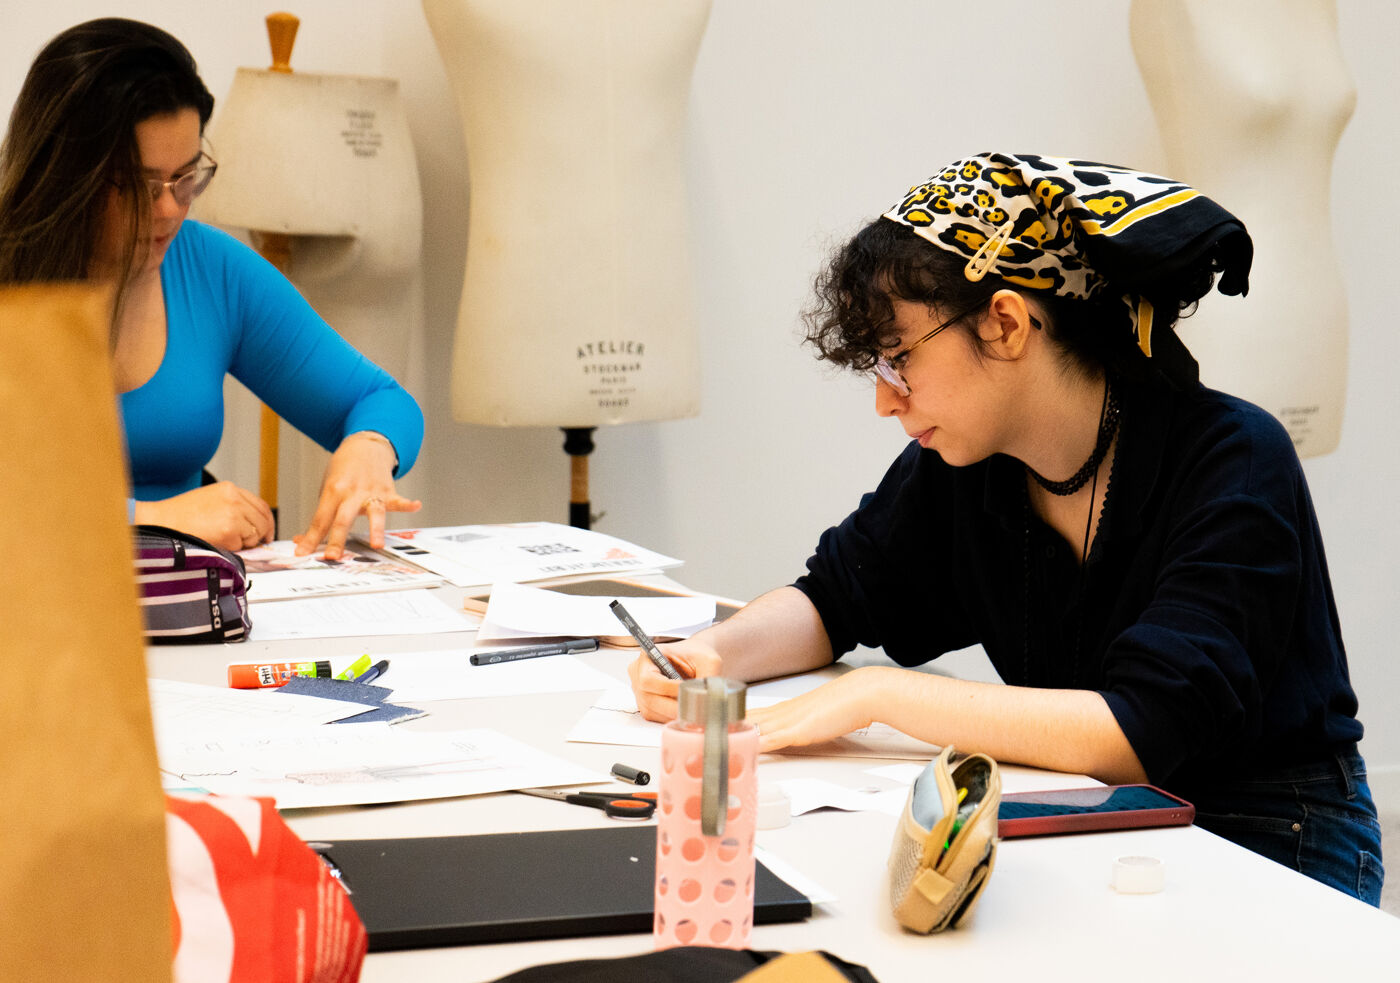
230,311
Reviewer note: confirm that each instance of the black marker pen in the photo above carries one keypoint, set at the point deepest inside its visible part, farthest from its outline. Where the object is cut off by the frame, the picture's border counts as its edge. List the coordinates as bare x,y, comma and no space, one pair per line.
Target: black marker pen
534,651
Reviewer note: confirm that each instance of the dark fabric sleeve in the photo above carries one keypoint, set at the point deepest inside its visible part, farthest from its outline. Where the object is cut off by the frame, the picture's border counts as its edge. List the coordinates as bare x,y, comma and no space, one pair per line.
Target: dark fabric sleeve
881,577
1192,674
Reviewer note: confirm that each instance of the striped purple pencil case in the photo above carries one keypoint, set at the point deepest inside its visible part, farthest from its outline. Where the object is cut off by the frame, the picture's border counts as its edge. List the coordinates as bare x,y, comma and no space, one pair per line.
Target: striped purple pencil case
191,591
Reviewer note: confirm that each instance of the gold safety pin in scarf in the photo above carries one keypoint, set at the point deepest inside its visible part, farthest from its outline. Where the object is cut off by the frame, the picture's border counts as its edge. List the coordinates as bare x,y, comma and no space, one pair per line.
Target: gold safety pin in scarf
982,260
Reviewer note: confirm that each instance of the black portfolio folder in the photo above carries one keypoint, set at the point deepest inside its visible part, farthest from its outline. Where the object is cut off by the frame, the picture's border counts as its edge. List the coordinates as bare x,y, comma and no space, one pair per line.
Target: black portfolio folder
502,887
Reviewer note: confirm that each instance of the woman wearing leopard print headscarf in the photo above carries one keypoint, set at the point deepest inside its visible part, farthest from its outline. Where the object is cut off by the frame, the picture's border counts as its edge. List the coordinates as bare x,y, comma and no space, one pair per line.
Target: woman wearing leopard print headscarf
1137,554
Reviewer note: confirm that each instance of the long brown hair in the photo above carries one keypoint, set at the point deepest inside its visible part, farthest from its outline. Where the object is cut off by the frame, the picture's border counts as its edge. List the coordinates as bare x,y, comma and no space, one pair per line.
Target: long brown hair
72,138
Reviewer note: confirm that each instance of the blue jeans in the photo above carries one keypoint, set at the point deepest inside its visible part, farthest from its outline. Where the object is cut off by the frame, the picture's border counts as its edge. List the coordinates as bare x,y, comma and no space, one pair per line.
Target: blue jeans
1317,818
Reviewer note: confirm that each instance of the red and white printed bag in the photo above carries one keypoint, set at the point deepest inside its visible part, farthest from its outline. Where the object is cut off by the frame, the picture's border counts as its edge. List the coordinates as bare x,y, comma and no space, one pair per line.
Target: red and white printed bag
251,903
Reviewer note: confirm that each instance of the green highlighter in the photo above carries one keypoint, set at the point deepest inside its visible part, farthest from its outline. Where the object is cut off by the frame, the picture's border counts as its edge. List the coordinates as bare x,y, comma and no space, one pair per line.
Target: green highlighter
355,668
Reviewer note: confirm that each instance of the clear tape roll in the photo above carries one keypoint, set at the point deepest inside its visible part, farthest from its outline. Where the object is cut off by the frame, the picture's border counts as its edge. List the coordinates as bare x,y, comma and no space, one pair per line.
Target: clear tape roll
774,807
1138,875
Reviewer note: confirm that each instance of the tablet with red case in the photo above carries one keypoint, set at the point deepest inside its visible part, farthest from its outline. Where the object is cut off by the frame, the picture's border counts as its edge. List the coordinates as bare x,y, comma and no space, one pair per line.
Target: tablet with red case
1082,810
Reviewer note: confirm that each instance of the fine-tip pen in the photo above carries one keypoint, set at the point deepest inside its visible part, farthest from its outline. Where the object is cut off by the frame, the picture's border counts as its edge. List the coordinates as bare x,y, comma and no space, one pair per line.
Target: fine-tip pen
373,672
644,640
571,647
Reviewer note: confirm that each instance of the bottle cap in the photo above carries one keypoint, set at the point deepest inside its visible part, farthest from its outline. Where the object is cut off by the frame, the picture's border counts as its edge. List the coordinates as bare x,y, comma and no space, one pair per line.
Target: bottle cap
629,774
692,701
244,677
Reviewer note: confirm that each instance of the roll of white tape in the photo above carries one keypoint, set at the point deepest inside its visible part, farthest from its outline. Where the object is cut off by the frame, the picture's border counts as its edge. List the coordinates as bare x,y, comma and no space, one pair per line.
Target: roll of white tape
774,807
1138,875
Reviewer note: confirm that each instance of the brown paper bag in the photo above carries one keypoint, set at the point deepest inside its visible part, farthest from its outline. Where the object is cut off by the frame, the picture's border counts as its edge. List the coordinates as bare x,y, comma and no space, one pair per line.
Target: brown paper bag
84,893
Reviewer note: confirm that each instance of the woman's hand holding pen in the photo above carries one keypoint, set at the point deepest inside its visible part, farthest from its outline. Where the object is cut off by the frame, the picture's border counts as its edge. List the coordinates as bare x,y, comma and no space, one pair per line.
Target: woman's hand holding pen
656,695
359,481
778,634
827,712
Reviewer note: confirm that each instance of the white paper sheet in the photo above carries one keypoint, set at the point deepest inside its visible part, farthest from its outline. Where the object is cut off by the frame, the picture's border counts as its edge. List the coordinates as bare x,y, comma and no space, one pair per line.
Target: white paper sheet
337,766
181,710
478,556
401,612
807,794
904,773
418,677
517,611
615,719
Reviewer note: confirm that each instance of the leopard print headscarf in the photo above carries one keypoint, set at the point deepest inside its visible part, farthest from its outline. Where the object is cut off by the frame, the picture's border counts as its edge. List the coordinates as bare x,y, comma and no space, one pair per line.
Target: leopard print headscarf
1077,229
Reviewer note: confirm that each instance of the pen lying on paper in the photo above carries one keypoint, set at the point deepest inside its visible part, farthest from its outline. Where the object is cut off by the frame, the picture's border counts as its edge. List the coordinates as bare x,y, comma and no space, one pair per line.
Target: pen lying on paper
644,640
534,651
373,672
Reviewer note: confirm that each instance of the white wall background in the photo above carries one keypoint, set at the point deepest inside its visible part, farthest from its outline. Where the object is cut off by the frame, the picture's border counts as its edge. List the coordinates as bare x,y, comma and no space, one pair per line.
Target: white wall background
810,117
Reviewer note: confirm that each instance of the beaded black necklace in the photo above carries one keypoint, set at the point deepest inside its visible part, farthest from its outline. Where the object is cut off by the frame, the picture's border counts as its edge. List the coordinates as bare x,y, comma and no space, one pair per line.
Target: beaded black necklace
1108,428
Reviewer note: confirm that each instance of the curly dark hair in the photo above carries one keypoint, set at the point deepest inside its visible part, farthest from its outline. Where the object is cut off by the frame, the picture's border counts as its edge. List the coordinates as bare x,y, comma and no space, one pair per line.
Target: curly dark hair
851,320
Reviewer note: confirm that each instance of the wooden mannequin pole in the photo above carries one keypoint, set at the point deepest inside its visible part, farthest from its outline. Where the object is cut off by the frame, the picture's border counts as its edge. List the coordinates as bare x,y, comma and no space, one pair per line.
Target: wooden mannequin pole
281,35
276,248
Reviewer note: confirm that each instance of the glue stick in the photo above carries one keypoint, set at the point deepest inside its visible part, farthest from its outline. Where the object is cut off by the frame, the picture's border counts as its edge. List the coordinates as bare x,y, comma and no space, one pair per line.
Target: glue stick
253,675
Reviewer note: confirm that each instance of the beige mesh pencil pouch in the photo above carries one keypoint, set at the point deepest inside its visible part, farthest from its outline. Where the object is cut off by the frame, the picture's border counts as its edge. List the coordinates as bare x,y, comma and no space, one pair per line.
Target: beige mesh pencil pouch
945,842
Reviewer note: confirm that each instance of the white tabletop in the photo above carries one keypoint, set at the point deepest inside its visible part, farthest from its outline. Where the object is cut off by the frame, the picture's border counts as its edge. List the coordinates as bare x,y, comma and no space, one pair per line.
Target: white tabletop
1048,913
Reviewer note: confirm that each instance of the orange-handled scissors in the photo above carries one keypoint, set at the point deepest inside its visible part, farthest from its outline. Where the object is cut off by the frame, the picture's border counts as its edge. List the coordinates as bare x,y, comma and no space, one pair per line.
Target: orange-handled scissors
615,805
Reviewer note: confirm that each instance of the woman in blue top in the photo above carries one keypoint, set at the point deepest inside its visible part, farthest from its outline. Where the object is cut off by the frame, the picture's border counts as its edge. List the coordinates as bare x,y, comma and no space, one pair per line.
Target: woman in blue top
102,159
1137,554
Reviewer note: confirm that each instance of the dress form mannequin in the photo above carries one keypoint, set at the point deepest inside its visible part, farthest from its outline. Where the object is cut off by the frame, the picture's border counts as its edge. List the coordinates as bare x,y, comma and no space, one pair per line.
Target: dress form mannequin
354,230
368,286
577,298
1251,98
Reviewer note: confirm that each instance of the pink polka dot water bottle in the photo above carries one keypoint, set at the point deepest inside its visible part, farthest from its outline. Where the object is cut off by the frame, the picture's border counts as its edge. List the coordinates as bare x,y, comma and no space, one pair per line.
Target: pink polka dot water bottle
708,805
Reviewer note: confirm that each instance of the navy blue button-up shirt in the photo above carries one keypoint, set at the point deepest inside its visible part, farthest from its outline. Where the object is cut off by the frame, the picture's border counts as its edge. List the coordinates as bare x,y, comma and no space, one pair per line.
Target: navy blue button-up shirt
1204,614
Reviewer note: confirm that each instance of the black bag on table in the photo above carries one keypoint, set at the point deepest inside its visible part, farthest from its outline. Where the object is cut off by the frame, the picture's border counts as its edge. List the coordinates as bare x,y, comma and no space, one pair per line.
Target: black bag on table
699,964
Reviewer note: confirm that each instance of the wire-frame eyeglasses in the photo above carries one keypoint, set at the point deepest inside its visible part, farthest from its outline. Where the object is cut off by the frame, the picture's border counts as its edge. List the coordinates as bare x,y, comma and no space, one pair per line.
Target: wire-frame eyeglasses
188,186
888,369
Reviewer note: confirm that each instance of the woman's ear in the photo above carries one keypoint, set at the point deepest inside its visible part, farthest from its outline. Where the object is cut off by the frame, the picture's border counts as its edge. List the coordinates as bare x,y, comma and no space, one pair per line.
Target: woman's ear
1007,326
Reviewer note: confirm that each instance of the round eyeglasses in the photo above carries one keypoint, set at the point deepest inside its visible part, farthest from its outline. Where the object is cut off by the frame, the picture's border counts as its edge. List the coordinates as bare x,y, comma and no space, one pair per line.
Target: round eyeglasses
888,369
188,186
